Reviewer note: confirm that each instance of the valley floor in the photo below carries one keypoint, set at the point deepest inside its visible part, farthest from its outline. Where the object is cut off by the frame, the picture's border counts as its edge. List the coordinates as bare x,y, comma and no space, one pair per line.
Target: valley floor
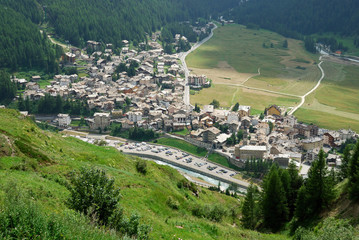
253,68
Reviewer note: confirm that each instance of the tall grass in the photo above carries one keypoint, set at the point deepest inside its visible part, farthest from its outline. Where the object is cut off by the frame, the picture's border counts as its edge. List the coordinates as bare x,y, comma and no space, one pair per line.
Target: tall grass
22,218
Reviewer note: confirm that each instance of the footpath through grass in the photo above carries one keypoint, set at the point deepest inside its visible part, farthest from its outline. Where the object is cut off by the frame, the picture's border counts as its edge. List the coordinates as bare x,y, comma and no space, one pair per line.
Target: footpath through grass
183,145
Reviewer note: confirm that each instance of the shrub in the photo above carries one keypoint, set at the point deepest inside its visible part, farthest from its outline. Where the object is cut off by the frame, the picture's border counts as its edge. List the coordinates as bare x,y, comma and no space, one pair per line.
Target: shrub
184,183
93,193
214,213
100,143
329,229
172,203
129,227
141,166
22,219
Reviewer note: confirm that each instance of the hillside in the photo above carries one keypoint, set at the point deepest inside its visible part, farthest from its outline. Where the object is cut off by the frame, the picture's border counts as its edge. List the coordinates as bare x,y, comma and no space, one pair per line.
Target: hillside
39,164
112,21
292,17
78,21
22,45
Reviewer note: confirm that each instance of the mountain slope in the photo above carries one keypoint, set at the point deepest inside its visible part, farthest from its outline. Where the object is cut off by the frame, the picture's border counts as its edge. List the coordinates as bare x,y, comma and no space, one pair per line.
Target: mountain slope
114,20
40,162
290,17
22,45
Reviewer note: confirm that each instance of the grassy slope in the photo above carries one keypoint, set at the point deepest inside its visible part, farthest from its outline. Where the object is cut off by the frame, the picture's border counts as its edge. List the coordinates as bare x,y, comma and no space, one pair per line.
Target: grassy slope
229,95
242,49
183,145
146,195
335,104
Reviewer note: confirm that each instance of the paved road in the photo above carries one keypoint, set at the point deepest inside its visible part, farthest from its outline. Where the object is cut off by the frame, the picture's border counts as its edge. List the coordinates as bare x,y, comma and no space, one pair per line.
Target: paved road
182,57
311,91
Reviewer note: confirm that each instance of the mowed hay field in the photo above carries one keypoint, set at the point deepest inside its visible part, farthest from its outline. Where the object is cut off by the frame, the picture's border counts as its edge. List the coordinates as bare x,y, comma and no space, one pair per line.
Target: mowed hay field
228,95
235,53
335,104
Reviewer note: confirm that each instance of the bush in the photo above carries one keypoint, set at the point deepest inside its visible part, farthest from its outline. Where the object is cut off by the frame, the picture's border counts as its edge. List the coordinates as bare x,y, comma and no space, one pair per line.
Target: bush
184,183
329,229
22,218
93,193
214,213
172,203
130,227
100,143
141,166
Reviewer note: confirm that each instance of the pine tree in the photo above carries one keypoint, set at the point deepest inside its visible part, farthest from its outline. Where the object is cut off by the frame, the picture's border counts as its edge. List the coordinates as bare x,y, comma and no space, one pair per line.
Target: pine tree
274,203
7,87
285,43
353,174
250,211
296,182
344,168
319,190
301,210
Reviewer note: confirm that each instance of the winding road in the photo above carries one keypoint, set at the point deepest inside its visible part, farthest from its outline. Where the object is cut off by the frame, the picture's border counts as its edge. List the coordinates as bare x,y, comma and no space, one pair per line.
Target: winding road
311,91
186,95
182,57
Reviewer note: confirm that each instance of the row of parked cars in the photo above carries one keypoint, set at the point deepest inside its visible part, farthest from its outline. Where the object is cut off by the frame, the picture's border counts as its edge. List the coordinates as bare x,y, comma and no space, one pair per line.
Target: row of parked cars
169,152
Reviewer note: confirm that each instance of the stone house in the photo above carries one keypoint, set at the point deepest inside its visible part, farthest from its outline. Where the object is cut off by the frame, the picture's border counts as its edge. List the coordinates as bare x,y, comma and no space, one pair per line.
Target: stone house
64,120
100,121
210,134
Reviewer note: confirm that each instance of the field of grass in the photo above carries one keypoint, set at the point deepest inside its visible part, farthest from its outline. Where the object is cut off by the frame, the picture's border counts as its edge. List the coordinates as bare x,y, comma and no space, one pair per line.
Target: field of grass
228,95
335,103
234,54
44,177
183,132
235,48
326,120
183,145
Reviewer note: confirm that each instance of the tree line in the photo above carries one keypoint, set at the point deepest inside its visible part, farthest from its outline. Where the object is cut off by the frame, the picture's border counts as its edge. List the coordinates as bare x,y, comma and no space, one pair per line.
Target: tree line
287,198
55,105
111,21
293,18
22,46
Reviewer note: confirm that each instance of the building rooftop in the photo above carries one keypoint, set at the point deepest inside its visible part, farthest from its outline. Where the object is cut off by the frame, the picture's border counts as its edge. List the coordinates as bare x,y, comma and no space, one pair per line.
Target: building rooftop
254,148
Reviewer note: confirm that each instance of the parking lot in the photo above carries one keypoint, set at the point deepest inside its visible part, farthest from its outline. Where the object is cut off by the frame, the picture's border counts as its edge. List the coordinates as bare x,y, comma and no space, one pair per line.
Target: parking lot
170,155
182,159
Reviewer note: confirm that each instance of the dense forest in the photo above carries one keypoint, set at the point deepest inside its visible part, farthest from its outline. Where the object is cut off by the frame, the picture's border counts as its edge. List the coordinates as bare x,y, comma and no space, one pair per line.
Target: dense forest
294,18
22,45
111,21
